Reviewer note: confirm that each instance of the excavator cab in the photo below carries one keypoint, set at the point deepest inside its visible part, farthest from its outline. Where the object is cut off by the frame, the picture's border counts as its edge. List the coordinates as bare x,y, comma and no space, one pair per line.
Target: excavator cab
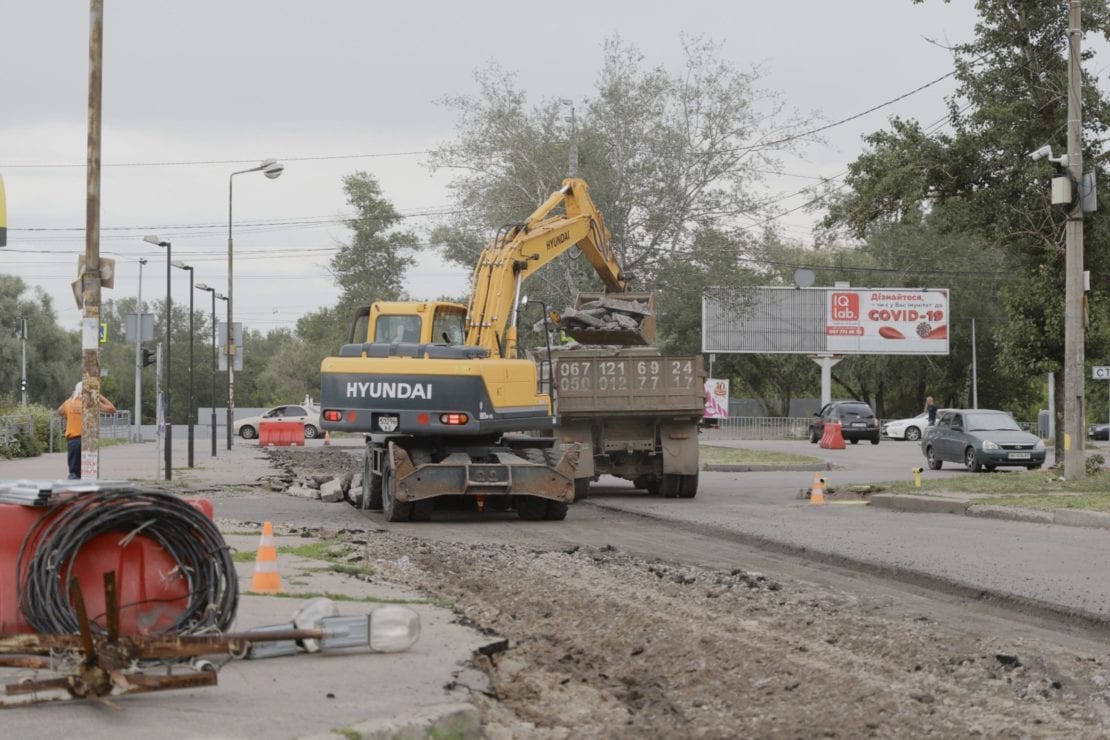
427,322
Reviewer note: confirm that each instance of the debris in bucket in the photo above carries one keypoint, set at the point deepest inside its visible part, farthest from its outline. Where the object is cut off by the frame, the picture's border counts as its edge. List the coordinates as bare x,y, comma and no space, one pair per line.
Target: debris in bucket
620,319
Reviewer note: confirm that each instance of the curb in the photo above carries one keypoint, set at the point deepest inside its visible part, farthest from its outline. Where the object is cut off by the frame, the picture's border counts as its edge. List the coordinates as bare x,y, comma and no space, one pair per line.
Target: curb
941,505
460,720
764,467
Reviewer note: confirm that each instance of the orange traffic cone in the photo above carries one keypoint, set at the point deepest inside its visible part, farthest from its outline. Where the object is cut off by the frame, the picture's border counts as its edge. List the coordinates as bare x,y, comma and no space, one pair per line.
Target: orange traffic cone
817,491
327,438
266,579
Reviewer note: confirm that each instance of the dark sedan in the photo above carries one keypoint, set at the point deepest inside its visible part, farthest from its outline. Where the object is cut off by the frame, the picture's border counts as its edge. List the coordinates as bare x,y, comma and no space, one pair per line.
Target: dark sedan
981,438
1099,431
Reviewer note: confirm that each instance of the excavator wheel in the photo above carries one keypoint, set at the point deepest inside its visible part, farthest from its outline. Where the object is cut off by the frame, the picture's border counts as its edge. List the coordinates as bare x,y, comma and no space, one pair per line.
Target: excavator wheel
581,489
394,510
556,511
532,508
371,485
422,509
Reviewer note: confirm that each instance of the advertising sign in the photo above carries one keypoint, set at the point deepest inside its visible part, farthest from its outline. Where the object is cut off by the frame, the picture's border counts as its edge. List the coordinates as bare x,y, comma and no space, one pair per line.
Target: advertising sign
716,398
892,321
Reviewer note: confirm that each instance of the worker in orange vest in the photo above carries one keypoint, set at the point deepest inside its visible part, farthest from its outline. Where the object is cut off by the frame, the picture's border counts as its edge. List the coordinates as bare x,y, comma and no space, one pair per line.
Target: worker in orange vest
71,410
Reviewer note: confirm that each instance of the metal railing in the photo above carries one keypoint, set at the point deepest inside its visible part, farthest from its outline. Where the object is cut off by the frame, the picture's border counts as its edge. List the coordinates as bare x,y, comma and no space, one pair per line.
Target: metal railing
757,427
112,426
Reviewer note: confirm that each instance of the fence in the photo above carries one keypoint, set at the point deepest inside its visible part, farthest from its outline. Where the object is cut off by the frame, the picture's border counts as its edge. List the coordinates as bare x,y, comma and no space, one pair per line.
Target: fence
112,426
759,427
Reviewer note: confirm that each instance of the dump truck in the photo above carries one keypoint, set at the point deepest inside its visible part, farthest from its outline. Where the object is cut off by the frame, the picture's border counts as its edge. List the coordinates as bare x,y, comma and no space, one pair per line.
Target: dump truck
634,411
448,404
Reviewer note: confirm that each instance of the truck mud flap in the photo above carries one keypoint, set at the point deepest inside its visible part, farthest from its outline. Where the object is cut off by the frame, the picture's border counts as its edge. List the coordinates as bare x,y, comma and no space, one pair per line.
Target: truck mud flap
457,475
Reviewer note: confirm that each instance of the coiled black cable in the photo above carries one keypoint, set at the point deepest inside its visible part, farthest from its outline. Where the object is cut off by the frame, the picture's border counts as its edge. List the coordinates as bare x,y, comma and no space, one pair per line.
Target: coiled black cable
49,550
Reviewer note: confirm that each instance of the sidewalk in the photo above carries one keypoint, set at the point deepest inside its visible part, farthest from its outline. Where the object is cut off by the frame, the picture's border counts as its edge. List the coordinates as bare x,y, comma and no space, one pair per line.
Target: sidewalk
418,693
964,505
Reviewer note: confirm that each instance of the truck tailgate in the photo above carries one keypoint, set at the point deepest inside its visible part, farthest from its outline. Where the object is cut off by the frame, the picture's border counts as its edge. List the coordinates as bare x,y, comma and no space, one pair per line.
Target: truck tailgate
586,384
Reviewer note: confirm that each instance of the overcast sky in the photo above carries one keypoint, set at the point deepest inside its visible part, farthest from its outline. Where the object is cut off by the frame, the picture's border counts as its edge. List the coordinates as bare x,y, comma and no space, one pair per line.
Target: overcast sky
313,84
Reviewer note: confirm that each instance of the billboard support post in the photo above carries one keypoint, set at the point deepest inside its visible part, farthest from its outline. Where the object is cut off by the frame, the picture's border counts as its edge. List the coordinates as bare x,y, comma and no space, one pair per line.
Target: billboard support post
826,363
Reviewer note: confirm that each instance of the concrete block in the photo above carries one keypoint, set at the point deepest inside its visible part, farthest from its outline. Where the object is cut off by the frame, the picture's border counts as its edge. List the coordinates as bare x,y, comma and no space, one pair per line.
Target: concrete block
331,491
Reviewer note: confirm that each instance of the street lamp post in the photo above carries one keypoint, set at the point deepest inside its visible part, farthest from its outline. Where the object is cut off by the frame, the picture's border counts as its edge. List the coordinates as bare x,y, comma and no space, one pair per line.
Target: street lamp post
189,416
169,316
215,295
138,435
272,169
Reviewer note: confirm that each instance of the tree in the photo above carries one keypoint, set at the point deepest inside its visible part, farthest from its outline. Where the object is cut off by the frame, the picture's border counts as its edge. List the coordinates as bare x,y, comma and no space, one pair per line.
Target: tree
668,155
371,267
977,181
53,354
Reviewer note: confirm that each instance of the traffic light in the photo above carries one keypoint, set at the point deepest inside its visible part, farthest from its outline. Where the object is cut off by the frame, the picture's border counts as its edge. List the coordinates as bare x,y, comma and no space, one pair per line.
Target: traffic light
148,357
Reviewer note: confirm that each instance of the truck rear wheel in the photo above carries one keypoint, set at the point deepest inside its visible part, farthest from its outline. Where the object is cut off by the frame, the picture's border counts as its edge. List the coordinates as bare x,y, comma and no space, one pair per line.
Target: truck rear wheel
688,486
394,510
581,488
672,485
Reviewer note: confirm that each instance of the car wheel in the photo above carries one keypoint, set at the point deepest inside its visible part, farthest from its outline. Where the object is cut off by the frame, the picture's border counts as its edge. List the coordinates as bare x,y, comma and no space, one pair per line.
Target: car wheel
988,468
854,441
913,434
933,461
814,437
875,440
247,432
971,461
311,432
1033,467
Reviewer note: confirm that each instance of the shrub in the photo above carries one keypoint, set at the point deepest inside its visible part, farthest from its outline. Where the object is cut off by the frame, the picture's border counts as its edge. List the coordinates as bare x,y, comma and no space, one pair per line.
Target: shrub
1093,464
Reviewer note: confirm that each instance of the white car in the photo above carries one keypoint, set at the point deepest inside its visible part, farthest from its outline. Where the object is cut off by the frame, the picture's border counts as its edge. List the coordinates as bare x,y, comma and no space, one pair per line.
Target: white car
907,429
248,428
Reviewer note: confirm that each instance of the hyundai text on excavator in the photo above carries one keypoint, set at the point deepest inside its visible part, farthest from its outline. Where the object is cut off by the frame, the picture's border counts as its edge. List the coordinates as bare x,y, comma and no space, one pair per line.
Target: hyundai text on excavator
448,407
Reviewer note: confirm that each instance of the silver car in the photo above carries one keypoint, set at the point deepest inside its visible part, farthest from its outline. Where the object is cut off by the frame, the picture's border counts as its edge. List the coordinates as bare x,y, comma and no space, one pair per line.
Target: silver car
248,428
980,438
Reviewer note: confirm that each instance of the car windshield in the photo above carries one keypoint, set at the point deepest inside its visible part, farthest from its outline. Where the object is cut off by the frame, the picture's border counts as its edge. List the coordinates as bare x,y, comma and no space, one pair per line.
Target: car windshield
991,422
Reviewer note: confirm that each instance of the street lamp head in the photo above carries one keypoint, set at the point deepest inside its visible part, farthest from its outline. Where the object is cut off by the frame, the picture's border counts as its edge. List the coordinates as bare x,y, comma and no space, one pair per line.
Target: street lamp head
272,169
182,266
221,297
142,260
204,286
152,239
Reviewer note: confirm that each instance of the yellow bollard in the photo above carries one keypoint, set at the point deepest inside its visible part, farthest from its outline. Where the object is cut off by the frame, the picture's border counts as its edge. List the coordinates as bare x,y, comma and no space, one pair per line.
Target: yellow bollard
917,477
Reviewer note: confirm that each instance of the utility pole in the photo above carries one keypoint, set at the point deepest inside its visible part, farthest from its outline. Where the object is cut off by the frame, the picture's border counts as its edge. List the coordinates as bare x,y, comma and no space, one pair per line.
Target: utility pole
23,353
1074,379
90,280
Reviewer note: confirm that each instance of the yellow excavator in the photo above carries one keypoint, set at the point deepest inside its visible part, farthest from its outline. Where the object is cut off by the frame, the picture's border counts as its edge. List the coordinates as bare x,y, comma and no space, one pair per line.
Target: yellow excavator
448,407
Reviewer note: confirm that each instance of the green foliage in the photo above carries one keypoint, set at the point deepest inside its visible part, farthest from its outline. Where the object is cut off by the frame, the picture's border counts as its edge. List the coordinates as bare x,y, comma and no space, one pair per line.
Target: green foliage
1093,463
371,267
669,155
53,355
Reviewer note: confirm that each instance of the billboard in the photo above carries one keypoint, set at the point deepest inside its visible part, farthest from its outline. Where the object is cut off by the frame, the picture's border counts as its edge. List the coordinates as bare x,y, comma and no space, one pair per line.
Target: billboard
716,398
887,321
837,321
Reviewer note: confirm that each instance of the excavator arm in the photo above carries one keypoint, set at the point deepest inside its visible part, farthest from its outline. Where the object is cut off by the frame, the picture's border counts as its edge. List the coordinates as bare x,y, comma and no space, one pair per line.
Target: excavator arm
518,252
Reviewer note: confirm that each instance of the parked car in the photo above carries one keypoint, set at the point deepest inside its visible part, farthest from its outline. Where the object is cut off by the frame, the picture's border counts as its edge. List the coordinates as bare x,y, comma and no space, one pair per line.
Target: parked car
857,421
1099,431
980,438
248,428
907,429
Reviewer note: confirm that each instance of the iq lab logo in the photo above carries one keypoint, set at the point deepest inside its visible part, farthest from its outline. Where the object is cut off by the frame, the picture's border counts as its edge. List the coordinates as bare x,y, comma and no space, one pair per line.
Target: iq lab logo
845,306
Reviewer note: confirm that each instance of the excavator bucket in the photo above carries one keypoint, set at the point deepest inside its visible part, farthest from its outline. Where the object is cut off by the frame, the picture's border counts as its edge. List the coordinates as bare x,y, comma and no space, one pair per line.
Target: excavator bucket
625,319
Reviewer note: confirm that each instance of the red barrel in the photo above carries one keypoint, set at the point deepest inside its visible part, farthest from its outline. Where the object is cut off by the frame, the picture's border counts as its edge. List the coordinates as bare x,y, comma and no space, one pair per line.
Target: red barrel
149,590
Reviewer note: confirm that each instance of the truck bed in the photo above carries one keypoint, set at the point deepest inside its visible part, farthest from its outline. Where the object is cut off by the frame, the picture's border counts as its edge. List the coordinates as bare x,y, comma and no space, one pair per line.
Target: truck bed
627,381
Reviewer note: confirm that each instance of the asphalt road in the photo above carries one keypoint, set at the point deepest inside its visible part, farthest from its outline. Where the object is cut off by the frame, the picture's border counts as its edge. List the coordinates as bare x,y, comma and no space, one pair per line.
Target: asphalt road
1063,567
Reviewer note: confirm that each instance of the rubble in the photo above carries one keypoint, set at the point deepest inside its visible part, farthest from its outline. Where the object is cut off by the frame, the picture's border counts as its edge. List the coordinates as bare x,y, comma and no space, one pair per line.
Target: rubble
599,318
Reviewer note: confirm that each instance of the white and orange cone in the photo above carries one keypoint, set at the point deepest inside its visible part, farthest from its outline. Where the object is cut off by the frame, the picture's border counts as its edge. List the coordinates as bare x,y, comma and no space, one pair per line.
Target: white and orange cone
817,492
266,579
